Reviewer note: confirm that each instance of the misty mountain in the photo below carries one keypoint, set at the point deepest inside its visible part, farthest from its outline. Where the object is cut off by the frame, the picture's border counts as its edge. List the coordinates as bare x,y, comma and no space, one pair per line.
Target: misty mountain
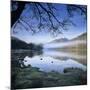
59,40
81,37
62,40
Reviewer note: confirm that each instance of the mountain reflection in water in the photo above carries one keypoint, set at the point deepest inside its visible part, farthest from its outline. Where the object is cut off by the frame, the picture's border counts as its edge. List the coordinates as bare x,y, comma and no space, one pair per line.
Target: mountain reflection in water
47,63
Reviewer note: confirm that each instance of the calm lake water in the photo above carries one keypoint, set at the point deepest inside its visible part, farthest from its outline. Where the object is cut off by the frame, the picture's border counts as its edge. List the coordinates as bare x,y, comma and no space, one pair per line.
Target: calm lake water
47,61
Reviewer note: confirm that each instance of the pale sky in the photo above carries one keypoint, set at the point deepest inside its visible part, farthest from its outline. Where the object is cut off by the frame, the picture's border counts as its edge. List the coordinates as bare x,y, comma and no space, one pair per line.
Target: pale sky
44,37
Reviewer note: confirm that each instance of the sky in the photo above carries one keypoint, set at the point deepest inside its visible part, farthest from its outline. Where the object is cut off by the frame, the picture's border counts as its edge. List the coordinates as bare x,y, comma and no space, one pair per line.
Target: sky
44,36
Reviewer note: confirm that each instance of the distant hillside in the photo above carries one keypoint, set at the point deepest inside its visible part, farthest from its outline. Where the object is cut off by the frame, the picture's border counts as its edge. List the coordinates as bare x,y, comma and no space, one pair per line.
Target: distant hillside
60,40
78,48
17,43
81,37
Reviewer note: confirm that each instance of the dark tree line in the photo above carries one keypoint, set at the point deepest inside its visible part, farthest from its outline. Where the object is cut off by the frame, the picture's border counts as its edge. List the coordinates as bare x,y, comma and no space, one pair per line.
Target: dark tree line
45,15
19,44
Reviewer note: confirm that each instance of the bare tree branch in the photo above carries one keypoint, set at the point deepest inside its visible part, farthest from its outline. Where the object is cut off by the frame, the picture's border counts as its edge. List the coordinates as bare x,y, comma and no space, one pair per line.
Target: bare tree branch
45,16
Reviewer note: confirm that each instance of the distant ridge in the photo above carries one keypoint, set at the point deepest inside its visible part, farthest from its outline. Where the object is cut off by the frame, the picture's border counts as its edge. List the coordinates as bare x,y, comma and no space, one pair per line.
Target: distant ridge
81,37
60,40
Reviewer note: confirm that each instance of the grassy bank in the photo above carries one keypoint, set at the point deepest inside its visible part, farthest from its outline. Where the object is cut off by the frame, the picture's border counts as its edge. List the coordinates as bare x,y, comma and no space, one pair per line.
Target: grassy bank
33,78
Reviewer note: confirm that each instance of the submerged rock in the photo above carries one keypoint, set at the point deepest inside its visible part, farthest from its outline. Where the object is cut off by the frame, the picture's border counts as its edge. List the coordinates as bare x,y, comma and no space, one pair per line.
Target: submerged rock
41,59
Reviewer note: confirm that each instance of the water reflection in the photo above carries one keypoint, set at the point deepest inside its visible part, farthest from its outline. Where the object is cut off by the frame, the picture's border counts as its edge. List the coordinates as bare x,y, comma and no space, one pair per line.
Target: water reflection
63,54
49,60
48,63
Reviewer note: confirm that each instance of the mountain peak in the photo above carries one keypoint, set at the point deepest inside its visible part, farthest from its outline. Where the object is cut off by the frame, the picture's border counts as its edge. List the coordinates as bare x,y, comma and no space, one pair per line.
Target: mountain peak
60,40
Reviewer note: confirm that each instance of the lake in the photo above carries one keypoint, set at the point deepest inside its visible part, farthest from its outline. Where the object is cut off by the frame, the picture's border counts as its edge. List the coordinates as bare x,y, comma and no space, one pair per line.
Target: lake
49,62
47,68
